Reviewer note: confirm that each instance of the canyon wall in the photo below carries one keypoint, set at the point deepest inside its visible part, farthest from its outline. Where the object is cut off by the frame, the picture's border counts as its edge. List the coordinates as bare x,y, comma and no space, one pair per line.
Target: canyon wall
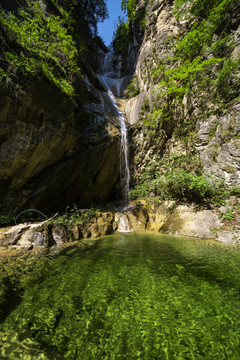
180,110
55,150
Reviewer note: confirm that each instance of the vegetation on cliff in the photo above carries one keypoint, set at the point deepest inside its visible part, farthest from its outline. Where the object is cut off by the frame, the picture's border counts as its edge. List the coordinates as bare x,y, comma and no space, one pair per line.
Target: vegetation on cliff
202,60
198,66
179,183
44,40
123,35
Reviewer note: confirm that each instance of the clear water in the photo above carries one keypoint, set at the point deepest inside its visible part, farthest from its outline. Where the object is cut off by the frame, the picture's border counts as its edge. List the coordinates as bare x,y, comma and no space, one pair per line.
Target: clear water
127,296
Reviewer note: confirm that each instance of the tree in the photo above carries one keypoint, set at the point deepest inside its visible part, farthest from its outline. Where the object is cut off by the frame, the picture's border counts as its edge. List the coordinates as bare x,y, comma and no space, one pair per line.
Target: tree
128,6
92,11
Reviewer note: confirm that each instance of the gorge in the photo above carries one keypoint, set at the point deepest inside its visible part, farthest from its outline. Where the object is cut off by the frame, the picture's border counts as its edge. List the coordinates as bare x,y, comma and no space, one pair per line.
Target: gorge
178,80
130,155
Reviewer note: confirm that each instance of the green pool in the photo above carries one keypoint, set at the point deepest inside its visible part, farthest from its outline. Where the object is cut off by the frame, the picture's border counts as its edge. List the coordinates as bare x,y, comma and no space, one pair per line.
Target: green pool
133,296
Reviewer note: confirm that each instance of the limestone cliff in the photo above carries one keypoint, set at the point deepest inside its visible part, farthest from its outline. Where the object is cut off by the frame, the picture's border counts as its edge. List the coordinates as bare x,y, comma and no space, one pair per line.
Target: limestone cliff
55,149
183,101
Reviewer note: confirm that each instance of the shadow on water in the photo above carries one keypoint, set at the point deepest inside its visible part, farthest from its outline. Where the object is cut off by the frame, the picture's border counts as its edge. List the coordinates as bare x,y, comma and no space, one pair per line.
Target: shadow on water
11,301
123,294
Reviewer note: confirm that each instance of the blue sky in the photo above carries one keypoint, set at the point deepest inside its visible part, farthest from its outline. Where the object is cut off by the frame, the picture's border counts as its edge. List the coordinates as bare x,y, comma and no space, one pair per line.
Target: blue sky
107,28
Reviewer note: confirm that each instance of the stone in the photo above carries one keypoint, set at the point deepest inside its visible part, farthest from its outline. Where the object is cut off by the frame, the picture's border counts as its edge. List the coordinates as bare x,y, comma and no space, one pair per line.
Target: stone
59,235
105,225
138,218
200,224
94,231
123,222
54,153
13,235
228,237
26,235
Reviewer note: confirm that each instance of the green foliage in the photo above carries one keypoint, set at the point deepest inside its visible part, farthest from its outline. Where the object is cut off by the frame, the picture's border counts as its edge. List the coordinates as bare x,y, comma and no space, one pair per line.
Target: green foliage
228,215
132,89
235,190
169,179
176,81
201,65
7,218
202,8
182,185
196,41
180,79
129,6
228,85
121,38
74,216
91,12
44,46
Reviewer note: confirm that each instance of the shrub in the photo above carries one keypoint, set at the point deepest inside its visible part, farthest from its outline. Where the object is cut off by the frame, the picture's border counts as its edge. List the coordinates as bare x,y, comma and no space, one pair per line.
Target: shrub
228,215
75,216
132,89
181,185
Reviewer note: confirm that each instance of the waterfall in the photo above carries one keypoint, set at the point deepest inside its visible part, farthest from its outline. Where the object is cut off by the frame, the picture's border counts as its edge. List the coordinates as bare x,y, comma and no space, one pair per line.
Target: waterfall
124,164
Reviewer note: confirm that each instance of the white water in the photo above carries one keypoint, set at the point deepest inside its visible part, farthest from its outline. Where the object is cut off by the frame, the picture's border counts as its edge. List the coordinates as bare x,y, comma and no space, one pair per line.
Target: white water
124,164
124,224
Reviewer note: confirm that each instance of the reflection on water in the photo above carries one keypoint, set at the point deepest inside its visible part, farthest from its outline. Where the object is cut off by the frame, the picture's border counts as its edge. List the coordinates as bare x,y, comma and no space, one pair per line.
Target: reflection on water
127,296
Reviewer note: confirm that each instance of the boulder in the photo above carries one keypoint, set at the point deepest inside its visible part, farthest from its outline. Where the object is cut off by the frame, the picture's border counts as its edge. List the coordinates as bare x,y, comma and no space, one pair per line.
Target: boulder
26,236
186,222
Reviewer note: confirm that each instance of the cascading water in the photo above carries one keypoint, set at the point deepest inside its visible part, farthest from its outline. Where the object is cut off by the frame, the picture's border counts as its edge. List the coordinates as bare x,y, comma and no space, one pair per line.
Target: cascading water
124,164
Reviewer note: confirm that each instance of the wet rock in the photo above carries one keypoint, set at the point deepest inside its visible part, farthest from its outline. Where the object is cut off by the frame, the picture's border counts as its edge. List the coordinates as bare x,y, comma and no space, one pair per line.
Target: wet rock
123,223
105,224
134,218
59,234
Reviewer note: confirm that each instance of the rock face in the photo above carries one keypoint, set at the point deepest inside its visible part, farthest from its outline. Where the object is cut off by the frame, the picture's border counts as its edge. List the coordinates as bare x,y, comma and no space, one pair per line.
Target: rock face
160,26
54,153
218,145
214,139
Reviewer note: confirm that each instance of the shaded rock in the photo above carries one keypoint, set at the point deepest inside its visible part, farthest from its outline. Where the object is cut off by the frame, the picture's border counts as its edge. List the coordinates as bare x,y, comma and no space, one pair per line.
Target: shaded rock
54,152
59,235
94,231
105,223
